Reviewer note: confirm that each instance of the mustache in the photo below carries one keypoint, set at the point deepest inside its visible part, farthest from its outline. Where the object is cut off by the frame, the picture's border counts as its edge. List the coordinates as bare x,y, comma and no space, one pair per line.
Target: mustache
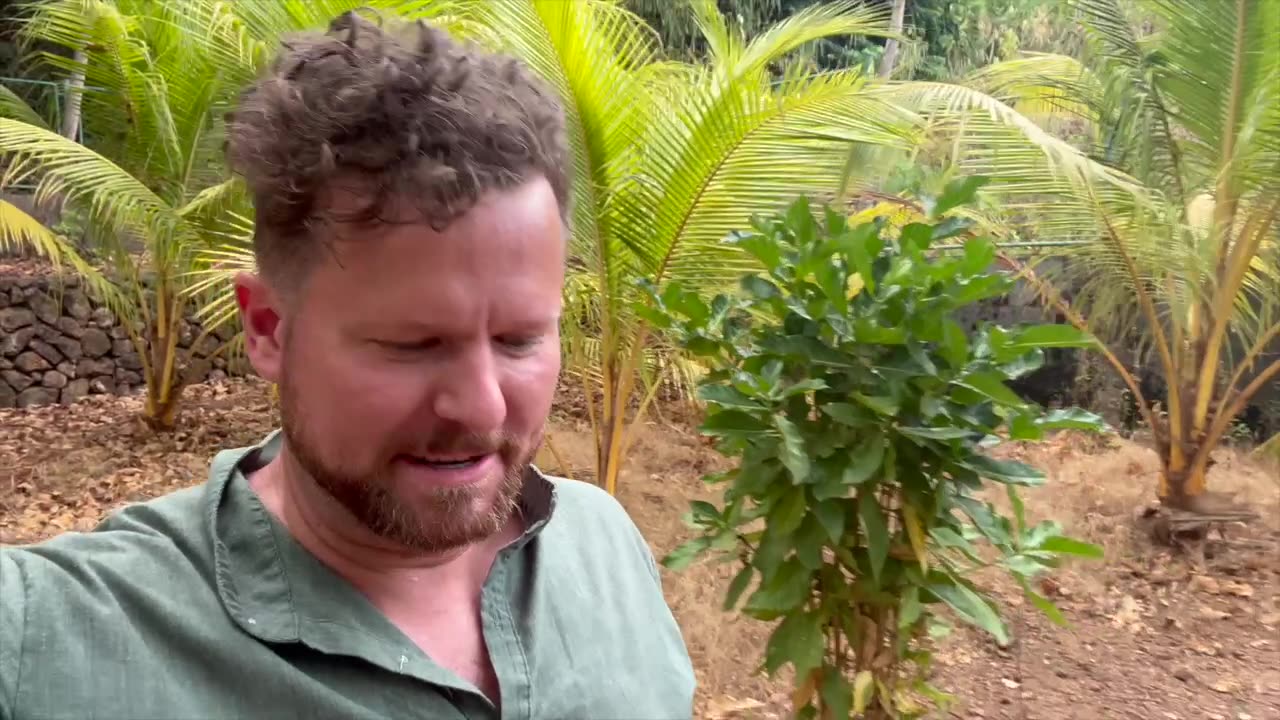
464,443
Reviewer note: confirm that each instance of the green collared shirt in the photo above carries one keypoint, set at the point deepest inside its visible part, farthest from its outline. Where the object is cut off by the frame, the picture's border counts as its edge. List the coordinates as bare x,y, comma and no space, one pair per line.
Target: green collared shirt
200,604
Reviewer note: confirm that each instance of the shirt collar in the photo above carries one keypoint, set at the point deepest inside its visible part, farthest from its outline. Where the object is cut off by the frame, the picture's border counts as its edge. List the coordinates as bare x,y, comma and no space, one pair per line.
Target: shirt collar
273,587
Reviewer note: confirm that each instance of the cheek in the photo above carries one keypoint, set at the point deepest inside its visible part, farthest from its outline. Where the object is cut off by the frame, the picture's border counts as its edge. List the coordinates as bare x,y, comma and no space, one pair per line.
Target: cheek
362,395
530,389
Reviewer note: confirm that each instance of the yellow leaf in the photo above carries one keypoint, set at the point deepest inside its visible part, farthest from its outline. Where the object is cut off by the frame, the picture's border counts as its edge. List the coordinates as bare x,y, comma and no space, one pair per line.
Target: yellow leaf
915,531
863,684
855,285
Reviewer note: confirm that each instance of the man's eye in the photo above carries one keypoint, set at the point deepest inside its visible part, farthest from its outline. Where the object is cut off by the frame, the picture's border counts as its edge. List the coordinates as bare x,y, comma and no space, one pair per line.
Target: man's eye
409,345
516,342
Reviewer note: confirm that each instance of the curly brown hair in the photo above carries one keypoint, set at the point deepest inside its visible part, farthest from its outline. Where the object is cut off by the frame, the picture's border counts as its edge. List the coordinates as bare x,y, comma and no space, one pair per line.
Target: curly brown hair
407,116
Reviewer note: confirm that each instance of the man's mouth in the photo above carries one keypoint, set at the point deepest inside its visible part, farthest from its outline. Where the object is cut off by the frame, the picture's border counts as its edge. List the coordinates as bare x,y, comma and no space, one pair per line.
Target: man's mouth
449,462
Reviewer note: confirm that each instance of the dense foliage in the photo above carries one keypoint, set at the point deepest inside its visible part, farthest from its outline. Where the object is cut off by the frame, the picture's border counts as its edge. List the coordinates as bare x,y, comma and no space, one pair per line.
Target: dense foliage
860,414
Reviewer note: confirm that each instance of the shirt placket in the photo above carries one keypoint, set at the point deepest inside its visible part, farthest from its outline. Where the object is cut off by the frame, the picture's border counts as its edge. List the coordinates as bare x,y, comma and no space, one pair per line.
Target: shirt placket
502,639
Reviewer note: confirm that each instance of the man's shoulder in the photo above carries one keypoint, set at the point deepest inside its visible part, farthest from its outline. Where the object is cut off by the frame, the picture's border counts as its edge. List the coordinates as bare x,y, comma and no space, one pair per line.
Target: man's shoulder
138,543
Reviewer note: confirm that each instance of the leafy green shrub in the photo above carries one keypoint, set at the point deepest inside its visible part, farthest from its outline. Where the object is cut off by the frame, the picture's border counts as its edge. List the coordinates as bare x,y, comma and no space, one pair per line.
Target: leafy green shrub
859,411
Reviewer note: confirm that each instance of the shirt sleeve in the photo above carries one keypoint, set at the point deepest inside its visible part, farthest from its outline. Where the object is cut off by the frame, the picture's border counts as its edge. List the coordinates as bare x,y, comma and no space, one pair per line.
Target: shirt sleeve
13,612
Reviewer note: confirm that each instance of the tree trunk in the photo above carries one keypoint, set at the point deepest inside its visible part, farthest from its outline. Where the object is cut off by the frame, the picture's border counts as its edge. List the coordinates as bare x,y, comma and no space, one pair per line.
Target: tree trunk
890,58
70,129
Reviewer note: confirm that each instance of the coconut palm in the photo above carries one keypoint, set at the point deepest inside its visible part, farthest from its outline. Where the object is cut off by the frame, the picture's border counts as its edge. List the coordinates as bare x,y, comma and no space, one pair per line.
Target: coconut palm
159,76
1186,100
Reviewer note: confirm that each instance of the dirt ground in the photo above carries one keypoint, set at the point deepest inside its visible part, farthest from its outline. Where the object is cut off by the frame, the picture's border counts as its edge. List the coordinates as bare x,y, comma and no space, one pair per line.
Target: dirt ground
1150,636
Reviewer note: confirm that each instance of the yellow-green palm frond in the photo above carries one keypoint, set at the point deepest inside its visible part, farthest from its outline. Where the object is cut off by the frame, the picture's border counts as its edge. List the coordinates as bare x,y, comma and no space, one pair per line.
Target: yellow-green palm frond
22,233
1043,87
68,169
15,108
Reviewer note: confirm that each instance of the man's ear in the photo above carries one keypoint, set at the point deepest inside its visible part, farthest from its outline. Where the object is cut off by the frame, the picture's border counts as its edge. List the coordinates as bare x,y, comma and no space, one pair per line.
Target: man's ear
262,316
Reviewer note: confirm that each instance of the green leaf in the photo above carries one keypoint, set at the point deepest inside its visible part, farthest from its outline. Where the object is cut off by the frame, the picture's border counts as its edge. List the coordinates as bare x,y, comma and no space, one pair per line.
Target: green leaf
864,686
803,386
1051,336
728,396
1009,471
810,539
911,608
865,460
875,532
1045,605
1068,546
862,246
936,433
737,586
761,247
684,555
793,451
845,413
830,513
796,640
955,344
787,590
1072,419
968,605
788,512
915,237
837,694
1019,509
880,403
760,288
1024,427
771,551
731,423
958,192
992,385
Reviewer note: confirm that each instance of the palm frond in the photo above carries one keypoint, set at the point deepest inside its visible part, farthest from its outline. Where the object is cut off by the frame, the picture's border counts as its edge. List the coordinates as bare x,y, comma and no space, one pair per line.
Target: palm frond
15,108
80,175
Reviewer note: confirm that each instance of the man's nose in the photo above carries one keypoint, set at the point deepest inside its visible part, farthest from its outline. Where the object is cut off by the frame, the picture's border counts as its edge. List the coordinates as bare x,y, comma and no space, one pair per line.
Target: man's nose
469,391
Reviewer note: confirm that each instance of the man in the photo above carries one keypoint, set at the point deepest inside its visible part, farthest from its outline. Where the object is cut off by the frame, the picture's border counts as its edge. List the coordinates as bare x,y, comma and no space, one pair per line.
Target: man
391,553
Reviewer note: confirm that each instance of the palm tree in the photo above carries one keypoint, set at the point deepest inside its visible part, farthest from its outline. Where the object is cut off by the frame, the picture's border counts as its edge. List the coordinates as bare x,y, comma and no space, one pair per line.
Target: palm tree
1187,101
160,77
672,157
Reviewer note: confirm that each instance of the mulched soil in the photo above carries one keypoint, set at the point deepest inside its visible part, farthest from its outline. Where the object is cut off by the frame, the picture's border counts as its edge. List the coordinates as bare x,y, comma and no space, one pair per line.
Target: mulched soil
1150,635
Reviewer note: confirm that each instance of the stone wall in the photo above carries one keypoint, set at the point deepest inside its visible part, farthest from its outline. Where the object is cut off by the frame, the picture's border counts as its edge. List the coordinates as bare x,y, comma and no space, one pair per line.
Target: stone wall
58,345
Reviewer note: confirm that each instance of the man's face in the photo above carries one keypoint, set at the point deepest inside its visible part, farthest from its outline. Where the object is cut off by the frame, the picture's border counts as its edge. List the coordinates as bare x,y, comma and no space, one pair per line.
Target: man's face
417,369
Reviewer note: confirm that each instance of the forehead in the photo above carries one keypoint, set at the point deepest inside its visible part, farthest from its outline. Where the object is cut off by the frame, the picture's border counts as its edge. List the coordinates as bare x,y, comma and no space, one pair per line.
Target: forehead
509,247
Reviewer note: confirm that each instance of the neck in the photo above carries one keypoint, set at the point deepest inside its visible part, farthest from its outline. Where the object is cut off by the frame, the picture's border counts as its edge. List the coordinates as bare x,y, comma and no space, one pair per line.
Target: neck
338,540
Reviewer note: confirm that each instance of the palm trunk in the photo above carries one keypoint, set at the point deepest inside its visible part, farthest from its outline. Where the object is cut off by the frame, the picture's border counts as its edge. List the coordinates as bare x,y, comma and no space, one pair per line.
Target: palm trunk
890,58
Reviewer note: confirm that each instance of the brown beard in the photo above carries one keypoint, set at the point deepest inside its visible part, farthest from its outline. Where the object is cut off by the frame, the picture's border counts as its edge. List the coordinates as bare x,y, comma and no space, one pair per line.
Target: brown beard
448,519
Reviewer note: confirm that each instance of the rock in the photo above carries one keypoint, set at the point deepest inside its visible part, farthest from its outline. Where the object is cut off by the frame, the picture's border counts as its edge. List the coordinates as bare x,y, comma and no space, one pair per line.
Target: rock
102,386
15,342
121,346
36,396
102,318
16,380
217,376
129,360
46,351
46,309
71,327
1184,674
54,379
187,334
4,298
8,396
69,348
207,346
74,390
30,362
118,333
95,343
77,305
127,377
13,318
89,367
47,333
5,363
67,368
220,363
